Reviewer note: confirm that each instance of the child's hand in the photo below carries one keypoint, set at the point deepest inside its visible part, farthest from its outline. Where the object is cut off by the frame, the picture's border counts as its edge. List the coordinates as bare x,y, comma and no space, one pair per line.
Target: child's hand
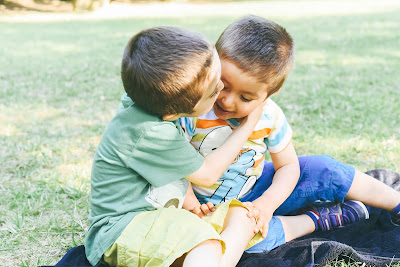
255,115
204,209
263,215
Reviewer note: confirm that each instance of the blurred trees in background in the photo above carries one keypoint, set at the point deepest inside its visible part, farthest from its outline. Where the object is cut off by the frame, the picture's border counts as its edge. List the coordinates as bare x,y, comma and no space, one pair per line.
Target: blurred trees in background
95,4
67,5
79,5
89,4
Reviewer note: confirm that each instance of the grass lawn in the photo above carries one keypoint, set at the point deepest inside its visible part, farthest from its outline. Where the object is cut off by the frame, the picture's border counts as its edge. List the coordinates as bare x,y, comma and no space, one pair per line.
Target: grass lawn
60,86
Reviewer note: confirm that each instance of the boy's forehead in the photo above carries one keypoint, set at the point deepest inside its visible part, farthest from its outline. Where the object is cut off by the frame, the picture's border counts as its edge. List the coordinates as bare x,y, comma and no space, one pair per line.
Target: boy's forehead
229,69
239,80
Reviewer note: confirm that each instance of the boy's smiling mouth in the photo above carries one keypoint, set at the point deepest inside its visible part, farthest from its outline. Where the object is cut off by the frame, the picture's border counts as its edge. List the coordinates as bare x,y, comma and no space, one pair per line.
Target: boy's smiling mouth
221,110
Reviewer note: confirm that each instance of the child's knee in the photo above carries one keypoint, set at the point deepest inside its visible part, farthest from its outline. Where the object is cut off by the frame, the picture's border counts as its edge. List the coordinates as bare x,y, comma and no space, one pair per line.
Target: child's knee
212,246
207,253
240,215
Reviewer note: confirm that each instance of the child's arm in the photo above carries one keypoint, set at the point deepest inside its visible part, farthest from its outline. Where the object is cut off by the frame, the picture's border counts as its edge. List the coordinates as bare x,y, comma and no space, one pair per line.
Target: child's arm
192,204
286,176
216,162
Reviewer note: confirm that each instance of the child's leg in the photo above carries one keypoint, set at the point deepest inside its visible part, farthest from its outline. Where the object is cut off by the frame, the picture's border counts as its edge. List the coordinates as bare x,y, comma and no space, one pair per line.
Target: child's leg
237,233
318,217
207,253
373,192
297,226
283,229
376,194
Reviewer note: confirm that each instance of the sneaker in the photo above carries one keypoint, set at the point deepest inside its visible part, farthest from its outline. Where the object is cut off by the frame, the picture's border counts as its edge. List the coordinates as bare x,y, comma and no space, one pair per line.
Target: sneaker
395,219
331,215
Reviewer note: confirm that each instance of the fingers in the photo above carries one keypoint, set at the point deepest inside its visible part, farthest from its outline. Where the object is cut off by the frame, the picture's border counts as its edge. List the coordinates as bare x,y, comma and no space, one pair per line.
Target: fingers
262,219
265,229
259,224
262,223
198,212
211,206
205,208
254,213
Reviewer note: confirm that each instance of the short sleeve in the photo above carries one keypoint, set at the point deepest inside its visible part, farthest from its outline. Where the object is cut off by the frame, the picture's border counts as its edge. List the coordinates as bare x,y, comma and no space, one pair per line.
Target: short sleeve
281,132
163,155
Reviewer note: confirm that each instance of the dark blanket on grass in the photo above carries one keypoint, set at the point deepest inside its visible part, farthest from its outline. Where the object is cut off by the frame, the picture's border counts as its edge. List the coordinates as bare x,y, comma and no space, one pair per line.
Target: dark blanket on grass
375,242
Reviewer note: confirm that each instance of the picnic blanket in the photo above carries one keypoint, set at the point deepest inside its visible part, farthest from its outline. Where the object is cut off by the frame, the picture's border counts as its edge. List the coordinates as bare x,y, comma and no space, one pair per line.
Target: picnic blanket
375,242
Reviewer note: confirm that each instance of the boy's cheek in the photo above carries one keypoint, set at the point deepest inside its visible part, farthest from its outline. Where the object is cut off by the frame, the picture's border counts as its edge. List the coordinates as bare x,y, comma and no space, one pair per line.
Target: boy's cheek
246,112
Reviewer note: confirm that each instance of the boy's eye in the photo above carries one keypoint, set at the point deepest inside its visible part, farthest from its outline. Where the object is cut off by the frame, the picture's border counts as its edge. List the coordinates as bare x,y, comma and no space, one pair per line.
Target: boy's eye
245,99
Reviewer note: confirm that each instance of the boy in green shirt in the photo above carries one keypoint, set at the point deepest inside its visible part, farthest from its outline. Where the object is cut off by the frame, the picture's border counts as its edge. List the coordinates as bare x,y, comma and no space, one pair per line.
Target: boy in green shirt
143,156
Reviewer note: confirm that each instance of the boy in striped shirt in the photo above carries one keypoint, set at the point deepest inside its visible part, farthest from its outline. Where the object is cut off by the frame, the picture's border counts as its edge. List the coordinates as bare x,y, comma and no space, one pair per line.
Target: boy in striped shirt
256,57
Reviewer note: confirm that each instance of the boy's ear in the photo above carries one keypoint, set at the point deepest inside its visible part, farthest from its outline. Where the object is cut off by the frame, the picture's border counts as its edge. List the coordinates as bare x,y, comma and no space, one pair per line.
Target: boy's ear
171,117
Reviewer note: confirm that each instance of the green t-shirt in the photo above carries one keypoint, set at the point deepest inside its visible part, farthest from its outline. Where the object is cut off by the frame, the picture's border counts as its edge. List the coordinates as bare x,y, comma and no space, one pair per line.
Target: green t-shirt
138,155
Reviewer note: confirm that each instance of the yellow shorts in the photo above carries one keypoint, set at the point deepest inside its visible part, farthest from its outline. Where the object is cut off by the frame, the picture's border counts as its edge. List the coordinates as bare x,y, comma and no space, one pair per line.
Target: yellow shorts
158,238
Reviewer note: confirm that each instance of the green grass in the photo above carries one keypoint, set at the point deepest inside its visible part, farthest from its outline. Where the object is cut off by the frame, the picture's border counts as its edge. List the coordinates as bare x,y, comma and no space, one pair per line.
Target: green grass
60,86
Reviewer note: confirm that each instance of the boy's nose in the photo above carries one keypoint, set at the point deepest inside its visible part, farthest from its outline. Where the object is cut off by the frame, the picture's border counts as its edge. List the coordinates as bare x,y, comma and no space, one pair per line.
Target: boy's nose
227,100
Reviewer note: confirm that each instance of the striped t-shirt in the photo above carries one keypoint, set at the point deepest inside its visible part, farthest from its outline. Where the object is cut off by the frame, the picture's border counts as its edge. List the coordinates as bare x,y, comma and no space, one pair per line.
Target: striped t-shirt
208,132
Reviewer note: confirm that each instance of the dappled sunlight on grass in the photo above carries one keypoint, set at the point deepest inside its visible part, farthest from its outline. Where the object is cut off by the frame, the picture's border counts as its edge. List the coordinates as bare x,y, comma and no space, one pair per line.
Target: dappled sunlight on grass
49,47
43,223
44,207
58,162
75,175
360,60
311,57
9,130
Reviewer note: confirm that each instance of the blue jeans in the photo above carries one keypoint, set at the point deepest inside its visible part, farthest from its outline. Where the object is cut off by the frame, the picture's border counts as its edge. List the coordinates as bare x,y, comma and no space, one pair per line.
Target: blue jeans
321,178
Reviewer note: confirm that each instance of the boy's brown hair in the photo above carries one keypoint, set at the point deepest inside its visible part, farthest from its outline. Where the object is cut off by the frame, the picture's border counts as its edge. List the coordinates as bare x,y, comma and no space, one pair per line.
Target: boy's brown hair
162,68
259,47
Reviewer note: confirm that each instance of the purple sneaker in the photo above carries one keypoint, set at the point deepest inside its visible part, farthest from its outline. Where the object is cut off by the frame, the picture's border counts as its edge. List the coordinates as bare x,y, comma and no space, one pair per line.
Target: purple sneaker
331,215
395,215
396,219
